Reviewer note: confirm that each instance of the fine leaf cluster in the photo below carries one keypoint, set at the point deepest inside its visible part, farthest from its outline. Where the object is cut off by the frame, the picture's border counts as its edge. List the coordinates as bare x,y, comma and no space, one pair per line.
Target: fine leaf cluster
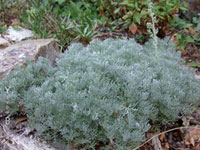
105,94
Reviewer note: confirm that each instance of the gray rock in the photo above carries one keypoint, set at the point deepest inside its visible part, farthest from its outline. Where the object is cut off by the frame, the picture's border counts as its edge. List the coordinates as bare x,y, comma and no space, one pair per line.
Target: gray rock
16,54
14,141
18,34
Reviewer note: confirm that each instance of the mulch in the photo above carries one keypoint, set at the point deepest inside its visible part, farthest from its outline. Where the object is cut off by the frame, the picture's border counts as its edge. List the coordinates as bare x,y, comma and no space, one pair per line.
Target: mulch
183,134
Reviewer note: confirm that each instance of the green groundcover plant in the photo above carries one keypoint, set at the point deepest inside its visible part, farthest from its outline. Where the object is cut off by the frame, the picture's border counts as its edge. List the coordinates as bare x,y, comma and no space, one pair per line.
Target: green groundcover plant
104,94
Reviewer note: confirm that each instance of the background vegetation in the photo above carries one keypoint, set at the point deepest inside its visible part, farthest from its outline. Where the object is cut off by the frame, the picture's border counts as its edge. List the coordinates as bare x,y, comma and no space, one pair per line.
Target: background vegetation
83,20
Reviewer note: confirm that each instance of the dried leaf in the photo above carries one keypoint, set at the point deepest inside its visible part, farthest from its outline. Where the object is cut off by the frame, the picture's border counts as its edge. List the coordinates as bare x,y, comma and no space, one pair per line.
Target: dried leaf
197,147
174,38
192,30
133,28
186,122
112,143
198,111
20,120
72,147
162,136
192,141
187,143
183,52
14,22
156,144
166,146
101,12
192,136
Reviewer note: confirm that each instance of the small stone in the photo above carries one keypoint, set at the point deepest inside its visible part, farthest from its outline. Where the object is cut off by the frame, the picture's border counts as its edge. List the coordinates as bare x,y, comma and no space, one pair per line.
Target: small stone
17,34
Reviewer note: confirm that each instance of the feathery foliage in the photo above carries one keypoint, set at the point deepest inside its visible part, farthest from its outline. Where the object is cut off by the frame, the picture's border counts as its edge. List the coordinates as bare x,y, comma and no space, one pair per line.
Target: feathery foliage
106,92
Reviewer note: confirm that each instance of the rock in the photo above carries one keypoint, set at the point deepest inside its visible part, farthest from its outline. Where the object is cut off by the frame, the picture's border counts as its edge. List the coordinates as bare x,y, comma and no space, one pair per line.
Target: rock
14,141
17,34
3,43
15,55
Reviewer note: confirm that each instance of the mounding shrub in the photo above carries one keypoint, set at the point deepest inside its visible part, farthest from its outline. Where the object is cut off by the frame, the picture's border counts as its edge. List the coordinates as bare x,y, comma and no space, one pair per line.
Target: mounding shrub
103,94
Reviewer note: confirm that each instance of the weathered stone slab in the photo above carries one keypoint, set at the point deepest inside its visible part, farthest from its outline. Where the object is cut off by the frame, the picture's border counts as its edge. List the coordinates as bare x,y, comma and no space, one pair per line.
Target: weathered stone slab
18,34
3,43
16,54
14,141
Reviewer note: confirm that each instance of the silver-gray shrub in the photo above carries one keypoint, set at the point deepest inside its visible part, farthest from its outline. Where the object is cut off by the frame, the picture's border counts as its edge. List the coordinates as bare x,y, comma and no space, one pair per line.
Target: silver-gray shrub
105,92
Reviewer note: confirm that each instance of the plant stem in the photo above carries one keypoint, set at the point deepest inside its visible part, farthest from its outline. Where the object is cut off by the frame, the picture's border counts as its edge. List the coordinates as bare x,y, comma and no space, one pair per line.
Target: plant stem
152,28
